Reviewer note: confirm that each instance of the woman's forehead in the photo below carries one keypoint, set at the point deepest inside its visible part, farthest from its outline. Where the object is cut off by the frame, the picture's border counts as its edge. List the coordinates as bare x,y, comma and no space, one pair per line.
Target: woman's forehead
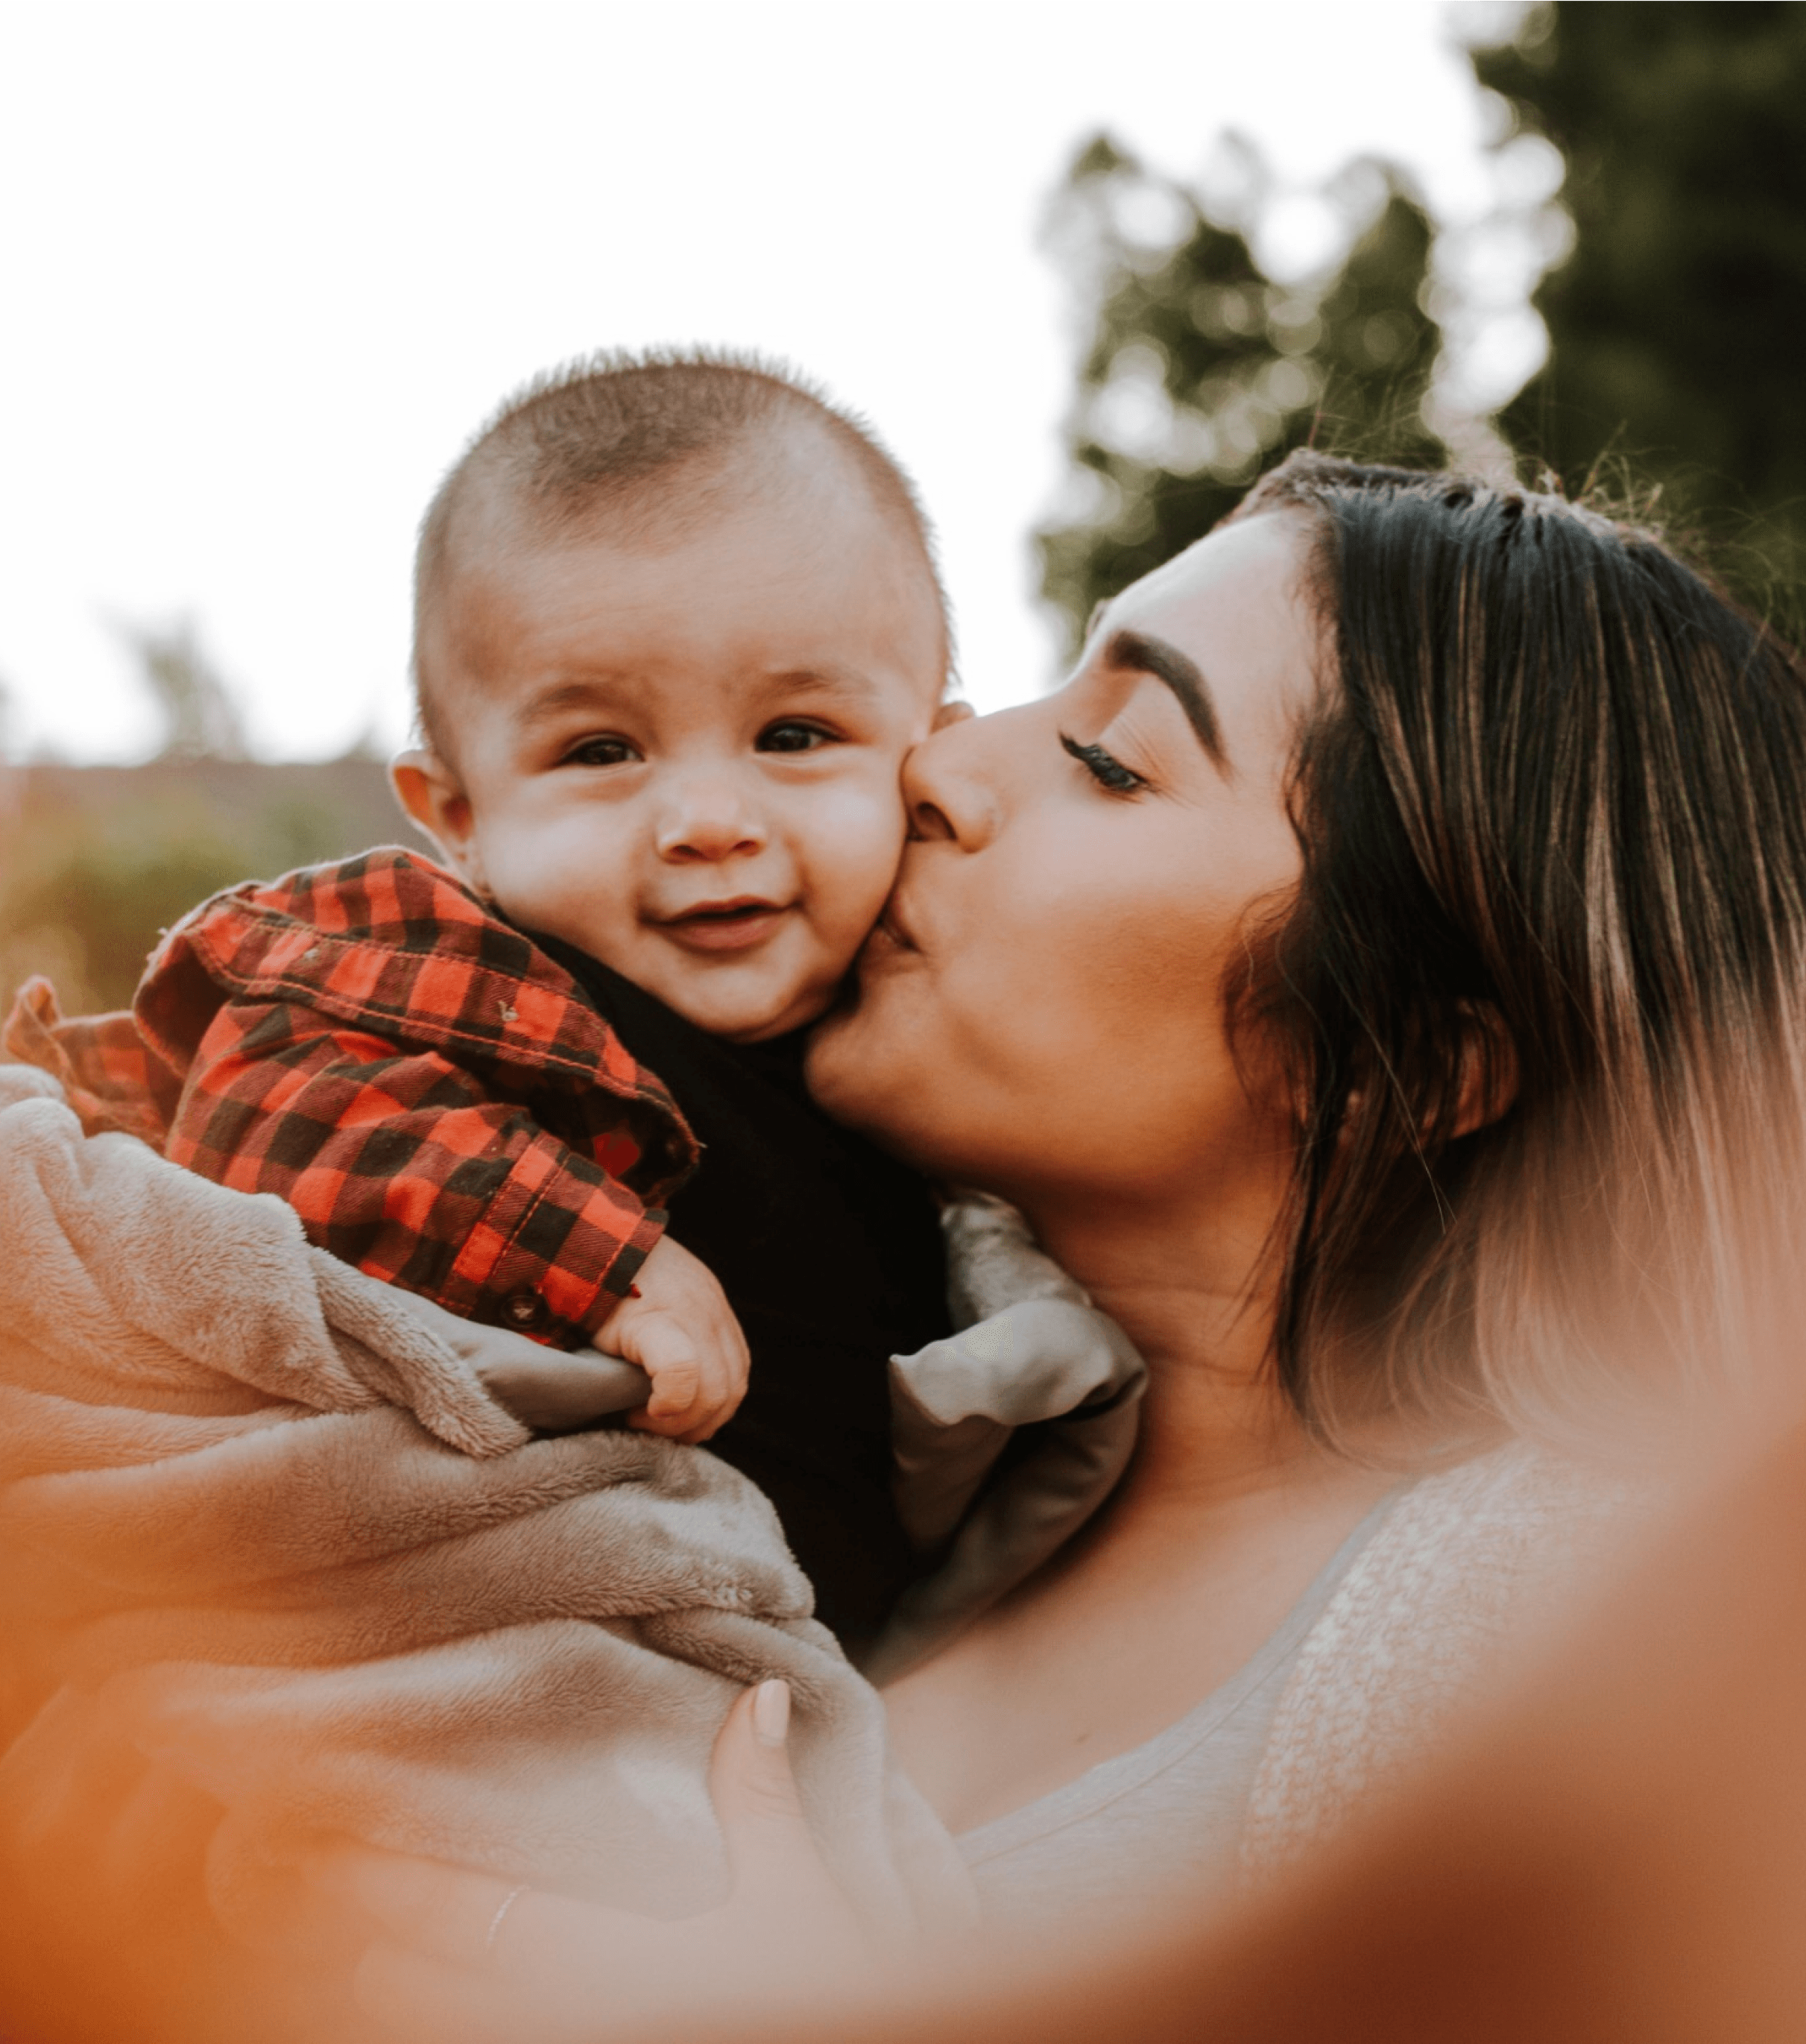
1235,608
1250,559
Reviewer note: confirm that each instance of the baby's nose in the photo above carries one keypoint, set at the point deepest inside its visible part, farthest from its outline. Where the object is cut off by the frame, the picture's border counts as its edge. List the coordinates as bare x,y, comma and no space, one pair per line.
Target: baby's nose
709,819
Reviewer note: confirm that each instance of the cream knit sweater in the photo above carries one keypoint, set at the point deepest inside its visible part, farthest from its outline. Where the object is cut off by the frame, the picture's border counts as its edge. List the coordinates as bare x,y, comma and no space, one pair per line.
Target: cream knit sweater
1470,1562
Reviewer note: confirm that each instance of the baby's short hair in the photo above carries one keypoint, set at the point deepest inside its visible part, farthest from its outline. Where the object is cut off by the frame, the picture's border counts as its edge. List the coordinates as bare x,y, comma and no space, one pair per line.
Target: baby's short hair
587,437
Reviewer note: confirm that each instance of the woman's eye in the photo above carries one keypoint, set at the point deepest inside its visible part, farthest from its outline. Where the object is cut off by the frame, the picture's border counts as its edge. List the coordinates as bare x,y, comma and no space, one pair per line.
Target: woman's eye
601,752
792,735
1104,767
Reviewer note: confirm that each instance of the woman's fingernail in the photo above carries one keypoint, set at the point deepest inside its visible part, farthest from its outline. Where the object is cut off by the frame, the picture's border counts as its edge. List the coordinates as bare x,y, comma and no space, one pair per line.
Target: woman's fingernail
771,1712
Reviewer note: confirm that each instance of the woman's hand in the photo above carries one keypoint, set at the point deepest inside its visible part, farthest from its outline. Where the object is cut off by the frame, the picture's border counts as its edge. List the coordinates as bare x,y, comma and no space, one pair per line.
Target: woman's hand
465,1959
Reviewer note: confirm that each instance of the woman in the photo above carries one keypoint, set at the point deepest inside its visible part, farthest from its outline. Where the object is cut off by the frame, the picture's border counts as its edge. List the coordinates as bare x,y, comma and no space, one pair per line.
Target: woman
1374,976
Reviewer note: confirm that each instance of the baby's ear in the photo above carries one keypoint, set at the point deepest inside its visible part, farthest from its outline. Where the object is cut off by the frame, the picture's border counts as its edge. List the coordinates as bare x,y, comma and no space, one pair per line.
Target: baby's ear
436,802
956,711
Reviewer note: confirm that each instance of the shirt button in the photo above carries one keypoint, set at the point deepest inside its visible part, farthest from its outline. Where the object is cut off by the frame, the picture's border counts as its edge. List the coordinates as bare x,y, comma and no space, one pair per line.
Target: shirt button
525,1309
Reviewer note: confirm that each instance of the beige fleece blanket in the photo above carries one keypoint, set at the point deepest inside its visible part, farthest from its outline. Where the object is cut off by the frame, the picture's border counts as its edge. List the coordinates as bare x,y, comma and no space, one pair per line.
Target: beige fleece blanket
221,1529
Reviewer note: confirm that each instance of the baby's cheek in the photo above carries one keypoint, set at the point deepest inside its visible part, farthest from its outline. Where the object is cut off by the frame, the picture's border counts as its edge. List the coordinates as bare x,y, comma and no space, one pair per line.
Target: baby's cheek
568,885
852,853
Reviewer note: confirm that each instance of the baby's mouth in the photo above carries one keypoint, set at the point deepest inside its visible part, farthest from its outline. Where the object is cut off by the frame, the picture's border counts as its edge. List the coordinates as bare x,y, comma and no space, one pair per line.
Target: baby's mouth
732,925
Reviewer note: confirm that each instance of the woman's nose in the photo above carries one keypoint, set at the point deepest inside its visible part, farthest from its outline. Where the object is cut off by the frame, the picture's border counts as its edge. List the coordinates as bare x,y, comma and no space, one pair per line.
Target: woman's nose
707,816
949,786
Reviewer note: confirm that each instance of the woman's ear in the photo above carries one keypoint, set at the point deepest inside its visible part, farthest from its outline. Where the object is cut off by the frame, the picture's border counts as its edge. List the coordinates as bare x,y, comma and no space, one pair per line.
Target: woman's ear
435,799
1488,1079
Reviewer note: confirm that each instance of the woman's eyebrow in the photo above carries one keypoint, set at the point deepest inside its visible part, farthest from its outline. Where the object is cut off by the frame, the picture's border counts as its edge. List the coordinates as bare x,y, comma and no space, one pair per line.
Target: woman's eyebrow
1136,653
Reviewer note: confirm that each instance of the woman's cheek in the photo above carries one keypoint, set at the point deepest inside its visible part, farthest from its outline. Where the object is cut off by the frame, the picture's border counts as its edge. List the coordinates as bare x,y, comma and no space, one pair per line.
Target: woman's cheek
1115,1007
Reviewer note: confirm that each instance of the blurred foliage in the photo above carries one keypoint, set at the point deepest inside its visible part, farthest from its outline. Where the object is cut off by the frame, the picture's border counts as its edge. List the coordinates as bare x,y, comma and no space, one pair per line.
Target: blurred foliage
201,719
84,904
1675,321
1202,371
96,861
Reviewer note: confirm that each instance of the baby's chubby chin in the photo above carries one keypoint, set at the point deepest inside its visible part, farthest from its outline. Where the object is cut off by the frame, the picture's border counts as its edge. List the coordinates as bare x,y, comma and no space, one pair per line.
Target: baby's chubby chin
745,980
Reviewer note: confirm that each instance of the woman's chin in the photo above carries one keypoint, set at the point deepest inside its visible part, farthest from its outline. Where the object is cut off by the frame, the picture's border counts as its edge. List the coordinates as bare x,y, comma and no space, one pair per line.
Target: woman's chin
833,1062
861,1065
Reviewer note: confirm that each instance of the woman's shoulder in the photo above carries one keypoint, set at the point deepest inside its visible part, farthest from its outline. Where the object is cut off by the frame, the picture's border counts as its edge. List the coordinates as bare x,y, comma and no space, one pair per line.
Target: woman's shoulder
1503,1517
1469,1566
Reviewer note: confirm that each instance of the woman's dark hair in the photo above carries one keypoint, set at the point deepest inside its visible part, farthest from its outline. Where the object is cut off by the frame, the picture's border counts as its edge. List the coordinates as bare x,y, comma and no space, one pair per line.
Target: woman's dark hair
1538,993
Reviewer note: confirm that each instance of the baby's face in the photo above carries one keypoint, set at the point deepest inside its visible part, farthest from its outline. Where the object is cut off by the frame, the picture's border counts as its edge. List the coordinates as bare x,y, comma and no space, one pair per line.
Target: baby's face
682,754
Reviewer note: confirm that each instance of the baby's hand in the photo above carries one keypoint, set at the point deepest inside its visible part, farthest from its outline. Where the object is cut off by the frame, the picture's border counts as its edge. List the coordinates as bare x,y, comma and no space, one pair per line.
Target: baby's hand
682,1332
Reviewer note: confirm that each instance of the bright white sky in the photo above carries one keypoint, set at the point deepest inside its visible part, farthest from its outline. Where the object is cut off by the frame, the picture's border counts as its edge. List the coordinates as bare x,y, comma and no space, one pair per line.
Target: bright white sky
263,267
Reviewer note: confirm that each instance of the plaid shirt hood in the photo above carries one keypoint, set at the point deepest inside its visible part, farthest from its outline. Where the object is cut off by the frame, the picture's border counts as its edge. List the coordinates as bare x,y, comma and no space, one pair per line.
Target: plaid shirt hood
433,1093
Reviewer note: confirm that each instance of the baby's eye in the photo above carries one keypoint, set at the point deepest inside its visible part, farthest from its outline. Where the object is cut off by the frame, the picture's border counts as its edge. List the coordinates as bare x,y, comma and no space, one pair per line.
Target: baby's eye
1104,767
792,735
601,751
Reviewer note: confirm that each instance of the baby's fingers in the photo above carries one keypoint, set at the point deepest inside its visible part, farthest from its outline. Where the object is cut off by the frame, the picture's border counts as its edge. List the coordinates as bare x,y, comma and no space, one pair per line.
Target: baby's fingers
725,1364
703,1386
694,1425
677,1389
664,1349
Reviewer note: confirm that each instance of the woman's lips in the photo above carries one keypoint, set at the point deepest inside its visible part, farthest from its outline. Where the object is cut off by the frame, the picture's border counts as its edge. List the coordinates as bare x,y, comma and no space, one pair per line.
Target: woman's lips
725,926
892,926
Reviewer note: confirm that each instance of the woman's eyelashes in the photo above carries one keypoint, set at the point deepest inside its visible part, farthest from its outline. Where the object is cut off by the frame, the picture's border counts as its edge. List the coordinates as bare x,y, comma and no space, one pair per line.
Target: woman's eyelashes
1104,767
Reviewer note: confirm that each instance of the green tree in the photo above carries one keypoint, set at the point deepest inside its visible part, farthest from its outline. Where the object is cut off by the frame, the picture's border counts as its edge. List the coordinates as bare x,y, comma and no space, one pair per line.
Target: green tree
1202,371
1675,321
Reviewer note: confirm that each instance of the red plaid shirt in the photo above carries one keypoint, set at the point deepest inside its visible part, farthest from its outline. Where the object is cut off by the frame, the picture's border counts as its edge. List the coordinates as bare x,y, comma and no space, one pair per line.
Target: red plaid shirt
432,1094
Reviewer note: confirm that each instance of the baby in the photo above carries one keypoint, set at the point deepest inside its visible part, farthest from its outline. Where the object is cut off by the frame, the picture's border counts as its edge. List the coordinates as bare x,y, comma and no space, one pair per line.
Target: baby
677,624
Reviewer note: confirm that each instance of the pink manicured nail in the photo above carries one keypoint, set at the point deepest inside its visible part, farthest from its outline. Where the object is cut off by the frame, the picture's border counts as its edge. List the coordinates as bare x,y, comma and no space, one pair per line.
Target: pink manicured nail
771,1712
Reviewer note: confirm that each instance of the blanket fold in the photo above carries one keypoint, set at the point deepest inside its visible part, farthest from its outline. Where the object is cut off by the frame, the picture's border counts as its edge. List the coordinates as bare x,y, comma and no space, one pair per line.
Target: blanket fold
441,1635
